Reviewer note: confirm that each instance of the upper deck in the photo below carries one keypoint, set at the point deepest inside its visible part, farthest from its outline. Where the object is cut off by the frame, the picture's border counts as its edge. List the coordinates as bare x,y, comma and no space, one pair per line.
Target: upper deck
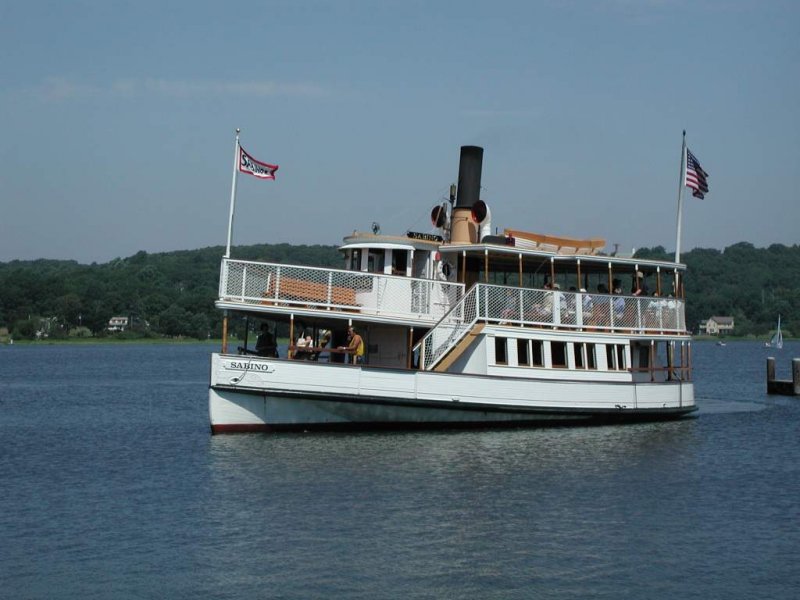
260,287
271,288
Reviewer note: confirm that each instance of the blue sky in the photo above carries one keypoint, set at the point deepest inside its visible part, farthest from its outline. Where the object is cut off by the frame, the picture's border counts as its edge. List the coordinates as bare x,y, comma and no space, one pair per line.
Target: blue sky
118,119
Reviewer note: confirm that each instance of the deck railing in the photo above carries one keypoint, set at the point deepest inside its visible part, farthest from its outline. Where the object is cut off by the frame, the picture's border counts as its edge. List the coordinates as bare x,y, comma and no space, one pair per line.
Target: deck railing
552,310
449,331
258,283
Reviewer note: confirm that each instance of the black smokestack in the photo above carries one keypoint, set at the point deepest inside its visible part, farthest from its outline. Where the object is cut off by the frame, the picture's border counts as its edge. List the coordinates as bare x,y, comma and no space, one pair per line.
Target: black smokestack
469,176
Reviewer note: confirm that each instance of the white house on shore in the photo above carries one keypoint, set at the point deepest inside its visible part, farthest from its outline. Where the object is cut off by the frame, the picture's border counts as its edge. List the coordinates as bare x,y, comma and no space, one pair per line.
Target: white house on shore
717,326
117,324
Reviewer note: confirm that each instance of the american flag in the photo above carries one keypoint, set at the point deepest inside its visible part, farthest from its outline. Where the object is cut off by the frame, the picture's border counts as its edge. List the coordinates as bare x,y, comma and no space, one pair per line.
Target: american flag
696,177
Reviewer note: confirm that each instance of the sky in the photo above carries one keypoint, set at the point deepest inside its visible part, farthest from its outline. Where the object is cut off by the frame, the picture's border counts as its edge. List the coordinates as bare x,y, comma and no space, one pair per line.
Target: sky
118,120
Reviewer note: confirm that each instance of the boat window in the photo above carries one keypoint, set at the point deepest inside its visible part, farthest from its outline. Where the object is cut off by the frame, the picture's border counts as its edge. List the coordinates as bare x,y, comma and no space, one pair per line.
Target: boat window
537,353
355,260
399,262
523,357
558,352
661,354
621,365
419,264
644,357
500,351
375,261
591,356
615,357
577,350
611,357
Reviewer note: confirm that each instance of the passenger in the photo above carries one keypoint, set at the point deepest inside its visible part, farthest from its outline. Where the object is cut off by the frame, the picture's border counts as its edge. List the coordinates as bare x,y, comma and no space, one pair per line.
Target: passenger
569,307
303,342
602,306
547,305
323,343
619,301
654,311
639,286
265,344
511,309
588,306
355,346
557,304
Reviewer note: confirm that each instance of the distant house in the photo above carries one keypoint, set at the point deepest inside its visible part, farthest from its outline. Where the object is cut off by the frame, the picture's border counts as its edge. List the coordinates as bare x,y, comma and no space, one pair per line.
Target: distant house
117,324
717,325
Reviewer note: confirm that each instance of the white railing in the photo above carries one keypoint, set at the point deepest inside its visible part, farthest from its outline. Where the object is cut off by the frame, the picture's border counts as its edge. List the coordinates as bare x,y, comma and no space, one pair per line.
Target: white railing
550,309
257,283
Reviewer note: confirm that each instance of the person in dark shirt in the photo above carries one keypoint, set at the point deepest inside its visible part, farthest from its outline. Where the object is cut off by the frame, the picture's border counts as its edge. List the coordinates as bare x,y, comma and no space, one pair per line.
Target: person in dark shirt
265,344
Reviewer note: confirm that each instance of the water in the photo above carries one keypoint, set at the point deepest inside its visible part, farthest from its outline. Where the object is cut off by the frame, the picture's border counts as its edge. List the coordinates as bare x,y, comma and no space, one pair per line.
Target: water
112,487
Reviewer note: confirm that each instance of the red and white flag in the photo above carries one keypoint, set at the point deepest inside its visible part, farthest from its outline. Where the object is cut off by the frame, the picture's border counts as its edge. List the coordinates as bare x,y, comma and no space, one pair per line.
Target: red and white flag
256,168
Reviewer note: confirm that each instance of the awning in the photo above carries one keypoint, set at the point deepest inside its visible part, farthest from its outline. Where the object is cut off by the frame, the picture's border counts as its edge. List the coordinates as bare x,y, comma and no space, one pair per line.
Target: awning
377,246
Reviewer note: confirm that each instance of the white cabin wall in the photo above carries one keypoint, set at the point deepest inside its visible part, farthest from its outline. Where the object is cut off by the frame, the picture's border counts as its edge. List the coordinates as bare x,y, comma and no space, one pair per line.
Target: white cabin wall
423,264
391,345
474,359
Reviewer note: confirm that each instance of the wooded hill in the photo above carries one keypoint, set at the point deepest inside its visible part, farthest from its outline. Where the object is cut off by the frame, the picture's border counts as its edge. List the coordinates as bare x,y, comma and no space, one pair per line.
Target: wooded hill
173,293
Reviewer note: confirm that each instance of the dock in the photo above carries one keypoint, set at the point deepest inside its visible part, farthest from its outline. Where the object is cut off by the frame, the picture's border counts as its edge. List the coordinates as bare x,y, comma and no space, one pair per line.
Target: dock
782,386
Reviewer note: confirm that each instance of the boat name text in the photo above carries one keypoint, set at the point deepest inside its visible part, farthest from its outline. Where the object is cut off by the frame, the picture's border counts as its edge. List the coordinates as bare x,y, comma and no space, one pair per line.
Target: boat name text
250,366
428,237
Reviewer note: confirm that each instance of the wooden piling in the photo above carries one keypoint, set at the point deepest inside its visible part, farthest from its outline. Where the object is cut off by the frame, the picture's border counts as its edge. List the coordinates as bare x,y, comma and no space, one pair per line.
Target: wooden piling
796,375
782,386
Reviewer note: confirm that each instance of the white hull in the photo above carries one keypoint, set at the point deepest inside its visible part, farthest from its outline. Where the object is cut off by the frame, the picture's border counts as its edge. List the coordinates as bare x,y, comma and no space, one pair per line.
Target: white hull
252,394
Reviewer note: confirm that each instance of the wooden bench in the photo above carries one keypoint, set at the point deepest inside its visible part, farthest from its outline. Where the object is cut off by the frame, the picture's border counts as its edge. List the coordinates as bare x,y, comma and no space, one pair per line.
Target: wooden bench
310,291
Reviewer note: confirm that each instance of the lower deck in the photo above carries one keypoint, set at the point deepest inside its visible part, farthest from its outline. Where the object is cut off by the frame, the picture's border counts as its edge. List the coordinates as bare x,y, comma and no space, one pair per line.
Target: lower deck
510,351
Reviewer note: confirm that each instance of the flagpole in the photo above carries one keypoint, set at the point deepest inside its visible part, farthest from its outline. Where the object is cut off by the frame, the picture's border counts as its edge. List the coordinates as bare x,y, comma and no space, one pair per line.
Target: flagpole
681,181
233,193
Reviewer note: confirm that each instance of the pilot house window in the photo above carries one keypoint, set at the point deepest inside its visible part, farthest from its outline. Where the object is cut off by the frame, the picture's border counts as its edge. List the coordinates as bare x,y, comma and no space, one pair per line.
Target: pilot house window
355,260
375,261
399,262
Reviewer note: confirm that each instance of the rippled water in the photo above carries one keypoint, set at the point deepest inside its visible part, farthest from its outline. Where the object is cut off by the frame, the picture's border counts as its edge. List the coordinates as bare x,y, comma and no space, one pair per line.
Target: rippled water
112,487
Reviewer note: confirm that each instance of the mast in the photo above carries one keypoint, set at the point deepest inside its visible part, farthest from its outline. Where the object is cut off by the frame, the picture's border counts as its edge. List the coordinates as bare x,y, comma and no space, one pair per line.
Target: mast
681,184
681,181
233,194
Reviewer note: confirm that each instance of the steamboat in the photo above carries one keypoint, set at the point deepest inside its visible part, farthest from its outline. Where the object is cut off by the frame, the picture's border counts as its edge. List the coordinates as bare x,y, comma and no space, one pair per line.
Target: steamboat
460,326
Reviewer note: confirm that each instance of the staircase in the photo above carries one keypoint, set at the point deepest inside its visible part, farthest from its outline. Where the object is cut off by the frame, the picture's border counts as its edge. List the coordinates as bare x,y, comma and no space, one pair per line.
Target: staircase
446,337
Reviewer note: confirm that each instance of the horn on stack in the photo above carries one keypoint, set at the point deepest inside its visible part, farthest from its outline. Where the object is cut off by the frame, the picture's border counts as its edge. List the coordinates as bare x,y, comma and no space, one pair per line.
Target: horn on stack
482,217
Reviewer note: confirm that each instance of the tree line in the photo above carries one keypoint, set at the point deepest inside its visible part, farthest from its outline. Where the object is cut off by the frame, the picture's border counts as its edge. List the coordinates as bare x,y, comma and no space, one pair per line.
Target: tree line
166,294
173,293
752,285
